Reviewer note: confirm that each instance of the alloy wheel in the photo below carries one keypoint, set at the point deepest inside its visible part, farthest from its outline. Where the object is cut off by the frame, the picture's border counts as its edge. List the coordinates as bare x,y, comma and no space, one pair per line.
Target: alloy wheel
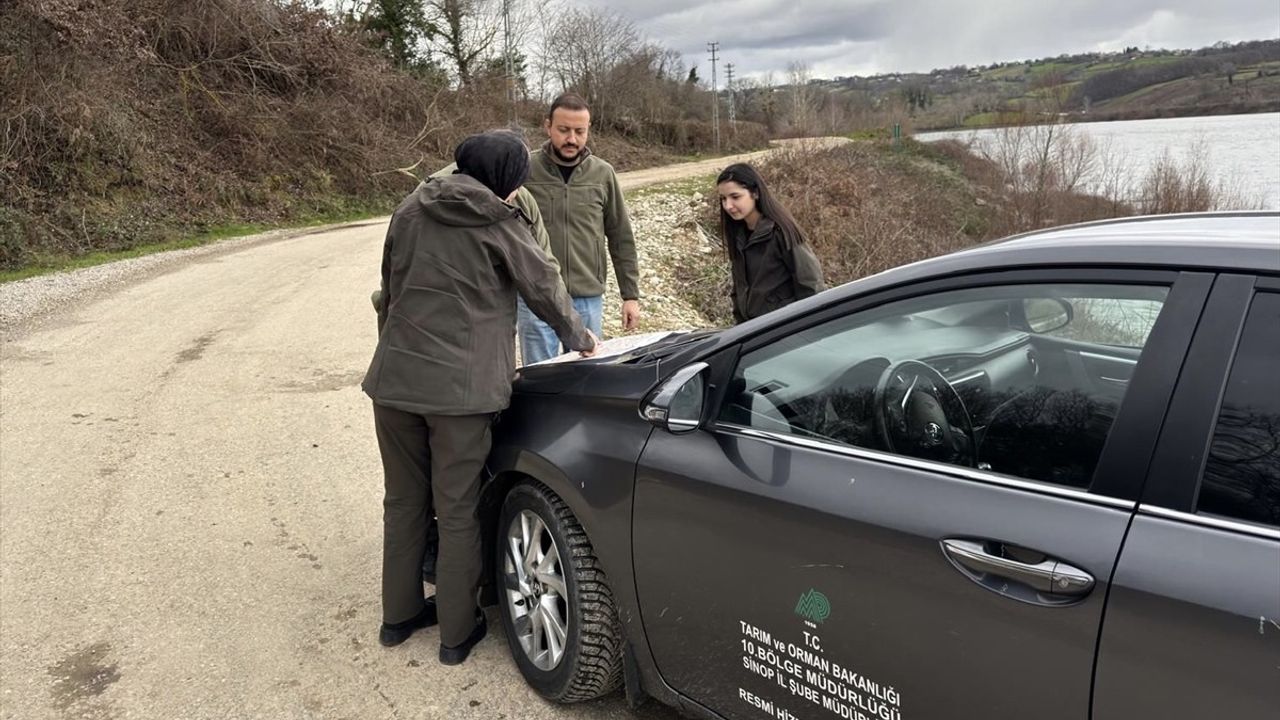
535,590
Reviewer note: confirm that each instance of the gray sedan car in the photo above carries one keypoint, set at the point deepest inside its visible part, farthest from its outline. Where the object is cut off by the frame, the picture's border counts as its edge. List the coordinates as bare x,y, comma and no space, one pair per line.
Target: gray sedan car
1038,478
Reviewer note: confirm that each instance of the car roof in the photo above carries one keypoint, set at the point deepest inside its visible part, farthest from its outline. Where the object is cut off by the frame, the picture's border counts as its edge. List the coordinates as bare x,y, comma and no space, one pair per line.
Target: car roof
1217,242
1229,242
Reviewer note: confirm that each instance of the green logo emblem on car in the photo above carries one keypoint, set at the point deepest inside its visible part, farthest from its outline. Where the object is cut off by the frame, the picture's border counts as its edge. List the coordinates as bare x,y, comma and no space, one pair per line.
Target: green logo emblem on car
813,606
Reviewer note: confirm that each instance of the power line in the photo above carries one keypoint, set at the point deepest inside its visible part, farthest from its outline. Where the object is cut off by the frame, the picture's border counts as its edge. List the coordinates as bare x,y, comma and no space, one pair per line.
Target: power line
713,47
733,119
508,61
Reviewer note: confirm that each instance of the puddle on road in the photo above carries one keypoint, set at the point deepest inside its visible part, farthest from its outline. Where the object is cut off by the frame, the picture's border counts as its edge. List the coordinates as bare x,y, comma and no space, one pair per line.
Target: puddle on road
196,350
81,676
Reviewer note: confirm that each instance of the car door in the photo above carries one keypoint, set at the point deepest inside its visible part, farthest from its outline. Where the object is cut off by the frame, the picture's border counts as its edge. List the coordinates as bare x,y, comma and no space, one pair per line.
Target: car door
1193,620
835,540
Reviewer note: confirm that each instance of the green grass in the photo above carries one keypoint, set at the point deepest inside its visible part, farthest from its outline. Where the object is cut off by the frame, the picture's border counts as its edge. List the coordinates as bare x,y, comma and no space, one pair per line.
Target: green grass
1054,91
1152,61
982,120
45,265
1249,70
870,134
1141,92
1007,72
1065,68
701,184
1102,67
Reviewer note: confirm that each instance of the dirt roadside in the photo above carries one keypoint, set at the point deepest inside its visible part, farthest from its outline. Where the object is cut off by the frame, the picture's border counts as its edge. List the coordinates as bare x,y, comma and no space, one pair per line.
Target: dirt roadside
190,521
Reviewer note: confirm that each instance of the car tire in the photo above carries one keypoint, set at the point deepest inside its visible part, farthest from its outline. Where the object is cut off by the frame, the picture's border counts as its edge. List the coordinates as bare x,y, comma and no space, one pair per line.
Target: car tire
552,592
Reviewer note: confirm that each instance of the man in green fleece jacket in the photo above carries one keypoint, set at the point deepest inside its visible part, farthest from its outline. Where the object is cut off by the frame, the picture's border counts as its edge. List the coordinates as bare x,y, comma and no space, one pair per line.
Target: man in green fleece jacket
585,215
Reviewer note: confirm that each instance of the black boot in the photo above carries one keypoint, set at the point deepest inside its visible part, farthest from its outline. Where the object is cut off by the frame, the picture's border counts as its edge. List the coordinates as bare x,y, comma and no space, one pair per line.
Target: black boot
395,633
456,655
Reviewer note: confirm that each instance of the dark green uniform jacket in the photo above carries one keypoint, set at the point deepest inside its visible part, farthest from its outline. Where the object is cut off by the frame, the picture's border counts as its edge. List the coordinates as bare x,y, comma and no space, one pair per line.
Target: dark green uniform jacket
526,202
769,272
454,257
523,200
581,216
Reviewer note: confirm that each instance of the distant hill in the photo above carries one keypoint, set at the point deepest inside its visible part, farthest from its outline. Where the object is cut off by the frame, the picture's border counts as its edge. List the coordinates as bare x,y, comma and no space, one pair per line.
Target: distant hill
1225,78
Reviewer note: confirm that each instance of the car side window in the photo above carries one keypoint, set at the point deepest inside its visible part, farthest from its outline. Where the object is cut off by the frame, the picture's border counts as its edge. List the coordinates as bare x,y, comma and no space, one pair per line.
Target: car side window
1124,322
1023,380
1241,477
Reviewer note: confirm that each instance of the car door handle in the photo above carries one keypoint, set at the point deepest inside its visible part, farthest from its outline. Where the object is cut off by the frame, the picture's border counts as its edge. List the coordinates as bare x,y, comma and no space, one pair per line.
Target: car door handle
1048,576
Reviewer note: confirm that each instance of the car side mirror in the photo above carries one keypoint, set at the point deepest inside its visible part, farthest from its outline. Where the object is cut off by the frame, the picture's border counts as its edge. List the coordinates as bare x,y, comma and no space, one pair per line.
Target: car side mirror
1044,315
676,404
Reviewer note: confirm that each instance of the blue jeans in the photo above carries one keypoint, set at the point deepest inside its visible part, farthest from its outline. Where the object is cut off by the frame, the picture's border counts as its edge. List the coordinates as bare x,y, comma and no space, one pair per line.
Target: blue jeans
539,342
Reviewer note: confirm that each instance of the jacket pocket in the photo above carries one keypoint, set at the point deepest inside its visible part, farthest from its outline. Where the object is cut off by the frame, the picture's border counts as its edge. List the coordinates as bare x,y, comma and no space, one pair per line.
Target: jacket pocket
776,300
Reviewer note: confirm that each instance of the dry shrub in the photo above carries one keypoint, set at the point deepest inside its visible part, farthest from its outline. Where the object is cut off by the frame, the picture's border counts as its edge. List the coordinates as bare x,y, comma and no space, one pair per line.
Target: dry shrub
1170,186
1044,175
688,136
864,207
1044,172
128,120
621,154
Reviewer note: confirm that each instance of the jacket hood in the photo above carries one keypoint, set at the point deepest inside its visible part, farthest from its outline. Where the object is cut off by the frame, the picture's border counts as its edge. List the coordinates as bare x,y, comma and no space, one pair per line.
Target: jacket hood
461,201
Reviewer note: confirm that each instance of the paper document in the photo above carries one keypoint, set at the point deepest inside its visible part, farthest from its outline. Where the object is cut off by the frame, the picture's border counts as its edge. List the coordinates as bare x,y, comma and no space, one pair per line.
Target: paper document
611,347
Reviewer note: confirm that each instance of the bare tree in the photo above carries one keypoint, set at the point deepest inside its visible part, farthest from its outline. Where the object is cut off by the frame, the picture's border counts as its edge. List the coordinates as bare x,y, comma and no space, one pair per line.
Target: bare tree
349,8
650,86
465,32
760,100
803,98
582,49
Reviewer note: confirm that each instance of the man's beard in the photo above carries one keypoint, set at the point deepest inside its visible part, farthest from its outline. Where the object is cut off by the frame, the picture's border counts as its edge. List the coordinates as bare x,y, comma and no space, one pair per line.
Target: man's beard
576,155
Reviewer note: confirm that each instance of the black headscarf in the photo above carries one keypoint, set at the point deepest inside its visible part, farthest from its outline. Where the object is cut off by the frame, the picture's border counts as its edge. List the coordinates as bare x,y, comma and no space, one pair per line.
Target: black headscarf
498,159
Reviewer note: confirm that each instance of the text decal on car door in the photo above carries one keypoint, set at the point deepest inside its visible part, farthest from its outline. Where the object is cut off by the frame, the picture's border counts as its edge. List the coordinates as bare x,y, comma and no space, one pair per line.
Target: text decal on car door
803,671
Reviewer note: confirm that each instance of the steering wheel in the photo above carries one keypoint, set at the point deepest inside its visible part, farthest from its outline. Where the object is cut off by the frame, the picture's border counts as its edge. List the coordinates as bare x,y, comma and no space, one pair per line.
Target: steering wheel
919,414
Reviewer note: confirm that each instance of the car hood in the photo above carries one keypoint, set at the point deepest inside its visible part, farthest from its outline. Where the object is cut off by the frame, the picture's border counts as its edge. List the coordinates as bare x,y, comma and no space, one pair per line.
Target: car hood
623,367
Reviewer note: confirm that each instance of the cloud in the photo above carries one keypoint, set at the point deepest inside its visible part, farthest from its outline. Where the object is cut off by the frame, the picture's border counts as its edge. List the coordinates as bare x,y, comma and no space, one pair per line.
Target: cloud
848,37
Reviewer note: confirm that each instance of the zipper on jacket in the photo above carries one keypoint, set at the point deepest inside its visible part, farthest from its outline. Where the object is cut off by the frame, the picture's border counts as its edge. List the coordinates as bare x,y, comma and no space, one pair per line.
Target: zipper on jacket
568,247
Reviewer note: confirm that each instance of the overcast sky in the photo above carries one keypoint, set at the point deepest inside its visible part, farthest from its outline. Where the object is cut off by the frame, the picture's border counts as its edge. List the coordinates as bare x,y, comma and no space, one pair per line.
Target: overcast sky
866,37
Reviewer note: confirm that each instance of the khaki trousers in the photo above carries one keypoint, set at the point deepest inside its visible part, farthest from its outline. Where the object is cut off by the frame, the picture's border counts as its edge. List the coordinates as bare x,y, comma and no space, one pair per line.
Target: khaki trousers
432,462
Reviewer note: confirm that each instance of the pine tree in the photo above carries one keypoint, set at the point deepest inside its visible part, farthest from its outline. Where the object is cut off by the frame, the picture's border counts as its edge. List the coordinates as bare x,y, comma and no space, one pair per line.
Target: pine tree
397,28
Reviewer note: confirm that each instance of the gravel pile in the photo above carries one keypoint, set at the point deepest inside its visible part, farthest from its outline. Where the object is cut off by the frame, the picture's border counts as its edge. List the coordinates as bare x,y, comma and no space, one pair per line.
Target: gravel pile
667,236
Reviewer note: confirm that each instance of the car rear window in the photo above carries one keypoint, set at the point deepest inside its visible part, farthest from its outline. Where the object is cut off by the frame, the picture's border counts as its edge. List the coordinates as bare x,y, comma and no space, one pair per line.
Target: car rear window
1242,474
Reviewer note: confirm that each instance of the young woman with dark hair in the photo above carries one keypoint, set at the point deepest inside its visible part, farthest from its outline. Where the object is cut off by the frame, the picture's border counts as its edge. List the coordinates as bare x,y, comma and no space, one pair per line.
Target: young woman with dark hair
772,264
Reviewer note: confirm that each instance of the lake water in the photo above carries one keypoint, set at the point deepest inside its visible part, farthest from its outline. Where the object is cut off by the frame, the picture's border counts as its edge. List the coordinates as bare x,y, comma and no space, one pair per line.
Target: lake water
1241,152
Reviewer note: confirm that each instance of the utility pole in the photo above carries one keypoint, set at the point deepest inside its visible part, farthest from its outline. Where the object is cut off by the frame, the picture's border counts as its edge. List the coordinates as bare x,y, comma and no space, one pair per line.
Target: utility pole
733,118
508,61
713,47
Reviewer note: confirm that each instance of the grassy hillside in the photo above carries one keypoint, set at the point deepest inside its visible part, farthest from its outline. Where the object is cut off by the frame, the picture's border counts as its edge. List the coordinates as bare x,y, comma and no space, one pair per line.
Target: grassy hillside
1223,79
132,123
135,123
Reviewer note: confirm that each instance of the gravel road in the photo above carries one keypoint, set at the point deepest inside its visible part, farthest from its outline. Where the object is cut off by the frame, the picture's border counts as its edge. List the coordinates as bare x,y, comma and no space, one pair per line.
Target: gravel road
190,496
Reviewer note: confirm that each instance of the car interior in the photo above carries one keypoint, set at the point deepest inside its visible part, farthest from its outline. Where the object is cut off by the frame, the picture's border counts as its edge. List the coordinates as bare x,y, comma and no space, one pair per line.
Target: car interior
1023,383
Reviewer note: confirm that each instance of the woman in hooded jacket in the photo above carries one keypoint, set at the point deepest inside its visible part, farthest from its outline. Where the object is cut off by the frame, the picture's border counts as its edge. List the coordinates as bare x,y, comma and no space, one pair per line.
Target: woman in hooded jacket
455,255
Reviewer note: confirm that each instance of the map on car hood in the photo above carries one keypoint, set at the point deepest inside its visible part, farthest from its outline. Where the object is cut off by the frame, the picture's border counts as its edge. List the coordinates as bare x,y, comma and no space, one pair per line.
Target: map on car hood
611,347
